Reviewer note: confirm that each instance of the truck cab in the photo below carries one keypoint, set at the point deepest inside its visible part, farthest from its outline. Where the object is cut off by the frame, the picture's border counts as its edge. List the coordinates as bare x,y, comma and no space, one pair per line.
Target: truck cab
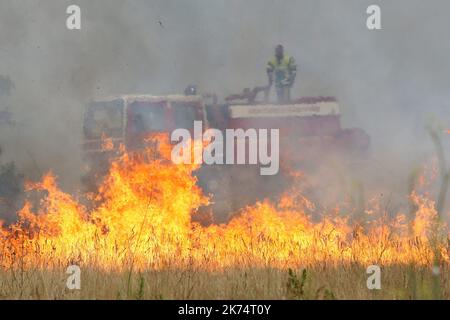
128,120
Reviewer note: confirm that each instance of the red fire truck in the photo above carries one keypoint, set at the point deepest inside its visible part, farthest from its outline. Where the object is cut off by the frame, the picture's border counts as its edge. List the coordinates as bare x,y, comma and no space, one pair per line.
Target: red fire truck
309,131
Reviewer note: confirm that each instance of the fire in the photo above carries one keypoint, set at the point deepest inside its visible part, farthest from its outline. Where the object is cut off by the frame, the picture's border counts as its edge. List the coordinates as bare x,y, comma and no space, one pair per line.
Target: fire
143,221
107,143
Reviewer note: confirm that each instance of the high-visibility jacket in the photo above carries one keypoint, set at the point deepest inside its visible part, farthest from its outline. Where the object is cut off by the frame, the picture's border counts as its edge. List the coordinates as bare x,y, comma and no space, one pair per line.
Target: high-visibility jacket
283,70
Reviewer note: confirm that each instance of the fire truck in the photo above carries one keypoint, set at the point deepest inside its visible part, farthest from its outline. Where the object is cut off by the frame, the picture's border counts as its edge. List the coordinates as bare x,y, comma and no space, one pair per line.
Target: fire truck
309,131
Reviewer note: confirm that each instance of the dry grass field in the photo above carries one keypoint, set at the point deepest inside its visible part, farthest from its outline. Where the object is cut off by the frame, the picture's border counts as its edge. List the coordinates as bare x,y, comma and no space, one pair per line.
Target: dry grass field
319,282
141,243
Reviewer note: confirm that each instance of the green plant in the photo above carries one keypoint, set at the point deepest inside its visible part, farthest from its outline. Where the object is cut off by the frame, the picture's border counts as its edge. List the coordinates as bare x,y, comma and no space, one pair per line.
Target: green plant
140,293
296,284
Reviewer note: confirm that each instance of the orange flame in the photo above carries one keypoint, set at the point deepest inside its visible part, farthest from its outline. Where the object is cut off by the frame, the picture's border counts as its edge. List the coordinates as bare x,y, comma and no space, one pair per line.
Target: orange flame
144,222
107,143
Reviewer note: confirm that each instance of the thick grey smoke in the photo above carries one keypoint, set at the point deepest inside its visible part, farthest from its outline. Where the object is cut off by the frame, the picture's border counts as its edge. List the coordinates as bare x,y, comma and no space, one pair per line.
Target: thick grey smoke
389,82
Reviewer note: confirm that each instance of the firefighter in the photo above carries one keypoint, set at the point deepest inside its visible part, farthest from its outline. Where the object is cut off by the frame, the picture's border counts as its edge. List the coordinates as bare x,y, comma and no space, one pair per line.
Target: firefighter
283,68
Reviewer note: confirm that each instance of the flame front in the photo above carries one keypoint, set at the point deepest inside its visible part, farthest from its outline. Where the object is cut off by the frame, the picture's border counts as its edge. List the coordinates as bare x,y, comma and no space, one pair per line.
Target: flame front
143,221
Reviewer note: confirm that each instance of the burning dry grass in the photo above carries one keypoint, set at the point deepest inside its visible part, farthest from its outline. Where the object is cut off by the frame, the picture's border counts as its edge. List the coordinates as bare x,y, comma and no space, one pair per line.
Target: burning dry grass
140,242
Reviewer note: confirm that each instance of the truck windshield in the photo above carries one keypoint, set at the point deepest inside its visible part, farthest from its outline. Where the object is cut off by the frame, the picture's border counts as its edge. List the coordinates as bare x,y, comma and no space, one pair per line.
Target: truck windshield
104,118
184,115
147,117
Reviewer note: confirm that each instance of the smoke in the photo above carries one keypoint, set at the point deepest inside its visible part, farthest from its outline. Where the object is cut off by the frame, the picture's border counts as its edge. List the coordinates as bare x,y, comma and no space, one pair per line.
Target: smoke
390,82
